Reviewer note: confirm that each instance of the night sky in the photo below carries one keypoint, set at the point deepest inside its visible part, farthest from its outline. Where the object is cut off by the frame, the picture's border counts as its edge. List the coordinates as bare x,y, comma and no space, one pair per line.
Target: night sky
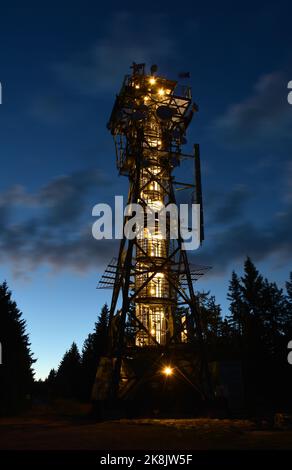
61,64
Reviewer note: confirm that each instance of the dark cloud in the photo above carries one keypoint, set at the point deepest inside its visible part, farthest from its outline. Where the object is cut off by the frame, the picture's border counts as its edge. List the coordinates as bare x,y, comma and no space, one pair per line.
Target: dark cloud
53,226
55,229
232,243
261,122
225,207
261,118
16,195
65,197
233,232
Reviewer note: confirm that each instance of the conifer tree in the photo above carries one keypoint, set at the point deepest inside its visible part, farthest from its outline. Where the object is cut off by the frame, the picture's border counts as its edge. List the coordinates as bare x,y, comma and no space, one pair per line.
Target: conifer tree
289,288
287,327
68,377
252,288
274,315
93,348
236,317
210,315
16,372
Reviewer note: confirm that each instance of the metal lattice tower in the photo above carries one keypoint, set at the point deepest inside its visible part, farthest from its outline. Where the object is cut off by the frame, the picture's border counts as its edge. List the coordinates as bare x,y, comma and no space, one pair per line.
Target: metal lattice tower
152,275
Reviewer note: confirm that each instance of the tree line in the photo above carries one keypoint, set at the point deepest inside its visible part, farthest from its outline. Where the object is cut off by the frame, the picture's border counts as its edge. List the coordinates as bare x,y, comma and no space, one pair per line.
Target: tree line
255,331
74,377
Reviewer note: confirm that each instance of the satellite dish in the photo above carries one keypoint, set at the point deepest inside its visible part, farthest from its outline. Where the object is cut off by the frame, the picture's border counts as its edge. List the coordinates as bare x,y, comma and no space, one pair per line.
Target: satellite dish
165,113
143,108
129,109
138,115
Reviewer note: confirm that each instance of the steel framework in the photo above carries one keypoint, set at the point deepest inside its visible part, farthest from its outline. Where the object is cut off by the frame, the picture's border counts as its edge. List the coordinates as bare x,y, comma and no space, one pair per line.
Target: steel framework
152,275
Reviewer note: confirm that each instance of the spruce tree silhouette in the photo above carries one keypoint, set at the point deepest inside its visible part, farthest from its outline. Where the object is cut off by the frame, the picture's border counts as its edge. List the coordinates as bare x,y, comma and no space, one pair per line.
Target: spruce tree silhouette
252,288
50,385
288,319
16,372
68,376
236,317
51,377
259,318
274,317
93,348
216,330
289,288
259,309
211,318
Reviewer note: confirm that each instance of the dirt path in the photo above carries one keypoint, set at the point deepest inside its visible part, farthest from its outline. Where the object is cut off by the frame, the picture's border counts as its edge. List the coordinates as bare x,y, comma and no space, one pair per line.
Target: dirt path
181,434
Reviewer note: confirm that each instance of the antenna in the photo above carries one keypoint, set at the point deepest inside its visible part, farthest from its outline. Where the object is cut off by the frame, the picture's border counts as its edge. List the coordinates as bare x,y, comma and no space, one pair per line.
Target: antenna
198,188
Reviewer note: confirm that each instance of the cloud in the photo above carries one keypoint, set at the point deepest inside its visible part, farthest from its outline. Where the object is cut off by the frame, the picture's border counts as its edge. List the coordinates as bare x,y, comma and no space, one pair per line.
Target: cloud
232,233
261,122
261,118
53,225
16,195
65,196
225,208
127,38
54,228
224,247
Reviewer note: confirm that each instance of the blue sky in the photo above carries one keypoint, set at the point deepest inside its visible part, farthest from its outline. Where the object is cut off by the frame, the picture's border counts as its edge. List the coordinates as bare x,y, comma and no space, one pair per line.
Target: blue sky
60,68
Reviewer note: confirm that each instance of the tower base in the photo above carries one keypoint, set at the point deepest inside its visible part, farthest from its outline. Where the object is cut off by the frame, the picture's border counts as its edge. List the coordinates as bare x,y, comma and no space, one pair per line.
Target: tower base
153,382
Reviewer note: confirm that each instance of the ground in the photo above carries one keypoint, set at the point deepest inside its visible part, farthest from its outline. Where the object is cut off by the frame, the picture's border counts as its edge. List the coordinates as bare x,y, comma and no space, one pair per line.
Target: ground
40,431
